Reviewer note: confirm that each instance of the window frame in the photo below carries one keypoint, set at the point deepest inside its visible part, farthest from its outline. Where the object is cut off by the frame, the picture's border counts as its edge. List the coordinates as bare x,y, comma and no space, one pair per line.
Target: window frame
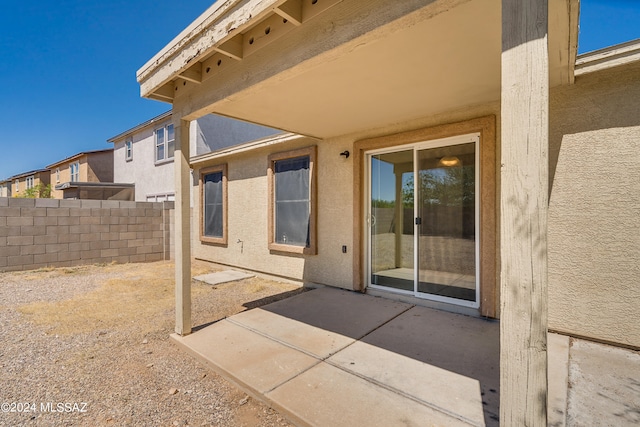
77,174
128,150
30,182
17,184
165,143
207,171
488,224
57,175
310,152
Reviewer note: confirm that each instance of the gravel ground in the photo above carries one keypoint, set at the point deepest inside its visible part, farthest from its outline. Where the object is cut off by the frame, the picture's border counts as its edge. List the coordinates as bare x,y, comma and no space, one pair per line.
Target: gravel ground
96,338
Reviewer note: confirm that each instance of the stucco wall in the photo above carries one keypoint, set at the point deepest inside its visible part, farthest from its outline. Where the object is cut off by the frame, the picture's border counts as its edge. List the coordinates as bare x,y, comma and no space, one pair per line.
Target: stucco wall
248,204
247,217
150,178
594,207
65,175
208,133
38,178
100,167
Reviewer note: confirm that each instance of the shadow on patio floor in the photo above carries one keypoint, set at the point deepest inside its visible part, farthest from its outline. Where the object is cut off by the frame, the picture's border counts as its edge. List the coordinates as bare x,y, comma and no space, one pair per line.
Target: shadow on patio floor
330,357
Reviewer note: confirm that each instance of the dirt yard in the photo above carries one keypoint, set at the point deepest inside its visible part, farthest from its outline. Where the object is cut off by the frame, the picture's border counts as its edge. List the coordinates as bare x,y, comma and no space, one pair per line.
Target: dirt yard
89,346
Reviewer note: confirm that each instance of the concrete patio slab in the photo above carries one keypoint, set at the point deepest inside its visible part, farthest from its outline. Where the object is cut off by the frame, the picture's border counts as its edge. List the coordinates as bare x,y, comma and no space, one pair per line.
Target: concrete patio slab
250,360
328,396
442,390
347,313
557,379
458,344
222,277
309,339
604,385
329,357
321,322
376,352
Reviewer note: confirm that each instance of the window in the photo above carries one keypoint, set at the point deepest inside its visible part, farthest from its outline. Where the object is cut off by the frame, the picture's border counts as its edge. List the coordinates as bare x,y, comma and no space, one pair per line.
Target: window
74,171
57,175
292,194
29,181
17,184
128,149
165,143
213,202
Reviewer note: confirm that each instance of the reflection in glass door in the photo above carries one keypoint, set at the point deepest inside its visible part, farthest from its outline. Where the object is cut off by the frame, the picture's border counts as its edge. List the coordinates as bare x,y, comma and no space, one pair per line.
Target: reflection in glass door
391,220
422,216
447,215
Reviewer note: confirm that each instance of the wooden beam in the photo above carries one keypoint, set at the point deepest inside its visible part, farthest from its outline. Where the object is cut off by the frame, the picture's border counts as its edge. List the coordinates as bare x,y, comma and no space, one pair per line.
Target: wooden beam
291,11
193,73
165,92
160,98
232,47
182,177
523,213
312,8
215,64
265,32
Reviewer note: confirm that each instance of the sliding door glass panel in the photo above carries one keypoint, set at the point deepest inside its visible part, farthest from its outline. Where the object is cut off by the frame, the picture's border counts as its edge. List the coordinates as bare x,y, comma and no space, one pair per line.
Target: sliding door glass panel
391,220
447,208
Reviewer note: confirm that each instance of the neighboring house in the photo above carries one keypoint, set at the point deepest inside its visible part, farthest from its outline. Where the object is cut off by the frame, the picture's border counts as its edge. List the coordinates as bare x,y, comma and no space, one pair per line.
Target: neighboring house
143,155
462,158
87,175
5,188
19,184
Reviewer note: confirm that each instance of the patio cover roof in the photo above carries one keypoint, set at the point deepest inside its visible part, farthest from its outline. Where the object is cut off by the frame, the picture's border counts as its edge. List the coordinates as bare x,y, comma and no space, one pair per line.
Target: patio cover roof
333,67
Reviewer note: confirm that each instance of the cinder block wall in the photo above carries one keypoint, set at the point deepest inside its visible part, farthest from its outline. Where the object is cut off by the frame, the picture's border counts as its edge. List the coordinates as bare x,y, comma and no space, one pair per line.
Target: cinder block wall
36,233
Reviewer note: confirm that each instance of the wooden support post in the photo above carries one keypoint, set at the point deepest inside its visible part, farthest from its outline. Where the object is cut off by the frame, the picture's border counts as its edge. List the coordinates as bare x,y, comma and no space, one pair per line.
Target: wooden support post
182,177
523,213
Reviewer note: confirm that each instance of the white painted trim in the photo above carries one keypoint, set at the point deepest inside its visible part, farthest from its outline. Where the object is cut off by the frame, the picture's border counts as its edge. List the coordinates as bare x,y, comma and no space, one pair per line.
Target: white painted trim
165,144
415,147
608,57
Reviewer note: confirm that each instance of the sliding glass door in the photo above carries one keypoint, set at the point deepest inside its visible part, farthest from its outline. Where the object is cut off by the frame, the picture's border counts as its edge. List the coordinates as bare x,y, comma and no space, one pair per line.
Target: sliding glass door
422,216
391,220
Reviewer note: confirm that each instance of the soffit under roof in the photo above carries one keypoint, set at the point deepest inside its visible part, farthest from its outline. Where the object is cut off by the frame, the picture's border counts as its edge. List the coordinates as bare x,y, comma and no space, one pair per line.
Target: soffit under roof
414,66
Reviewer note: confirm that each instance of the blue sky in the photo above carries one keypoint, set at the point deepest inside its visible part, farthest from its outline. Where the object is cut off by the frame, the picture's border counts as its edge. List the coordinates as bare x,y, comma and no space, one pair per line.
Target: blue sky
68,68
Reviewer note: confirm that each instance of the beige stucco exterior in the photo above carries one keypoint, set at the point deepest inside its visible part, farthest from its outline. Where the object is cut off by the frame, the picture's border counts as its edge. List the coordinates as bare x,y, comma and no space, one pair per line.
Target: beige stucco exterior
5,189
594,206
247,218
337,226
95,166
18,183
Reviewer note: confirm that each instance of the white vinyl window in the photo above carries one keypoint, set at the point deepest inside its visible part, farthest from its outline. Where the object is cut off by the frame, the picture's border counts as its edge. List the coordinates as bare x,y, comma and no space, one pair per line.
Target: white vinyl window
74,170
165,143
57,175
17,185
30,182
128,147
